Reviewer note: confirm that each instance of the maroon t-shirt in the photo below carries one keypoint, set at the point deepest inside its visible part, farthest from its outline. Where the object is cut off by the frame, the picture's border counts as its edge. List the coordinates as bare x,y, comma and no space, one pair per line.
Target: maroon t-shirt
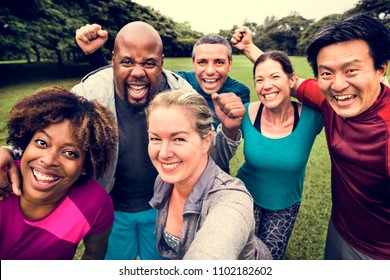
360,157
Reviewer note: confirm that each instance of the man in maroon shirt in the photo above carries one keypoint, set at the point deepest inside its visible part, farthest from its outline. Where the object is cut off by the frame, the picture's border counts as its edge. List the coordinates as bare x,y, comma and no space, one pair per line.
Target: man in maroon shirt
349,58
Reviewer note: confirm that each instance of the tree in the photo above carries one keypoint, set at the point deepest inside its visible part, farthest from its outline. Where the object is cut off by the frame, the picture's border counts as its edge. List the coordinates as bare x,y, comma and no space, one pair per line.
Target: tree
377,8
48,26
281,34
311,30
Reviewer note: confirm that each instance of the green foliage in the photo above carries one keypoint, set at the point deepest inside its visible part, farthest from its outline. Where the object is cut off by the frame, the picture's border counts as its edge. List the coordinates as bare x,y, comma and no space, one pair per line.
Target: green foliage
311,30
377,8
51,24
45,29
308,238
282,34
307,241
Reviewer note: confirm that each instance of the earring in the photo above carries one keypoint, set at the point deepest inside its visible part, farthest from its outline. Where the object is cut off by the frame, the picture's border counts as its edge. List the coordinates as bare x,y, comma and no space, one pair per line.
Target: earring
83,173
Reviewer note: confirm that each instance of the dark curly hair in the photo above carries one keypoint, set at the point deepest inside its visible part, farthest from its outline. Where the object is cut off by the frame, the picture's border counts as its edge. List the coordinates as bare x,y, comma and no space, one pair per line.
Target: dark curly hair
93,125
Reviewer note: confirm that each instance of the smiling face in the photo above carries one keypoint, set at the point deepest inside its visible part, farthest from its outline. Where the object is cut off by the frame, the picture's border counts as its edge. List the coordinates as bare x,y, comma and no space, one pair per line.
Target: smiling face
211,65
137,64
272,84
177,151
347,77
51,164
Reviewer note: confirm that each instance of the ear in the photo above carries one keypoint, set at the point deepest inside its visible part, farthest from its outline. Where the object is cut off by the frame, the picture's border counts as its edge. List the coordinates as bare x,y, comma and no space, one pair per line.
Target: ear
382,72
112,58
230,64
208,142
292,80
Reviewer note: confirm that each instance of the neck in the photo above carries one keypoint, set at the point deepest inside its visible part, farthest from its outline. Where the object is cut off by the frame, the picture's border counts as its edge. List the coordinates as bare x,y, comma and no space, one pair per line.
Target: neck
280,115
185,188
34,210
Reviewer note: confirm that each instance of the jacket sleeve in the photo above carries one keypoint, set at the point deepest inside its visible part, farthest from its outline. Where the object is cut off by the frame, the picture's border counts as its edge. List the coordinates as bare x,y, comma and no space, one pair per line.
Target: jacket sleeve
224,148
225,230
97,59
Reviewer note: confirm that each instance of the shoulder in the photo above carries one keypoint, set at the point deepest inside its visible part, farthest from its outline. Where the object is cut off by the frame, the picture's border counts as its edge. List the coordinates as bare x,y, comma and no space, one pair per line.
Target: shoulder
311,112
226,182
98,84
176,81
252,109
91,191
185,74
9,204
102,72
230,82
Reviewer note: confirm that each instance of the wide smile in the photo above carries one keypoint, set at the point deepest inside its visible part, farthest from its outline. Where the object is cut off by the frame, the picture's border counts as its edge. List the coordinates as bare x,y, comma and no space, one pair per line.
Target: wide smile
44,179
170,166
270,96
344,99
136,92
210,82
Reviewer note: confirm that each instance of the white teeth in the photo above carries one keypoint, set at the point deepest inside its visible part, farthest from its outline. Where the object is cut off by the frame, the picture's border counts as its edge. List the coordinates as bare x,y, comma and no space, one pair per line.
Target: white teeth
170,165
344,97
43,177
136,87
270,96
210,80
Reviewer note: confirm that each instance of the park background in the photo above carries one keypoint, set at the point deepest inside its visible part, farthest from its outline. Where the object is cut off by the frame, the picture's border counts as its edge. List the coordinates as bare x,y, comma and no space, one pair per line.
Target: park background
37,49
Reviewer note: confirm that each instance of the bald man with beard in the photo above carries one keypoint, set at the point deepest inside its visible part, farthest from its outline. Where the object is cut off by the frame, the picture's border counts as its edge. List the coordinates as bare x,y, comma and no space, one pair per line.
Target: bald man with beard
135,76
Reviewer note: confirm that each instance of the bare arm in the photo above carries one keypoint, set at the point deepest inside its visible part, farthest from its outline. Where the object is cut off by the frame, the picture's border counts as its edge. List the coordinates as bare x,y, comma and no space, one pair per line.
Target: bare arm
242,40
96,246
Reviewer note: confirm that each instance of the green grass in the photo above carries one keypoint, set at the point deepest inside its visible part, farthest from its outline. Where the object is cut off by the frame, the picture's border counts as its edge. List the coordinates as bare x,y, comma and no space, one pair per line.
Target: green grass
308,238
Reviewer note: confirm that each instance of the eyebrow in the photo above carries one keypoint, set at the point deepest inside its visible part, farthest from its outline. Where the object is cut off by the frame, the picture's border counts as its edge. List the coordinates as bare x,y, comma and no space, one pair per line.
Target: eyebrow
65,144
346,64
44,132
273,73
173,134
143,61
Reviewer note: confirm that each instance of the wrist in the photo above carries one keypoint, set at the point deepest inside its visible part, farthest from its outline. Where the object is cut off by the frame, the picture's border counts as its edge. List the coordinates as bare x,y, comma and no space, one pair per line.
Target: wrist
231,133
252,52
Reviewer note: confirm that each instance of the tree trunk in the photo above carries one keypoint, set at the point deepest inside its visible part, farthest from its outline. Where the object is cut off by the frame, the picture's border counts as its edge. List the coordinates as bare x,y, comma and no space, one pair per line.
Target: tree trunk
37,53
59,57
28,57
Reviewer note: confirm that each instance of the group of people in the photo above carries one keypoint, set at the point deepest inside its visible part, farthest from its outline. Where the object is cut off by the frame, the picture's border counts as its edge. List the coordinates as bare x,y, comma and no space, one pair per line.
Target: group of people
168,176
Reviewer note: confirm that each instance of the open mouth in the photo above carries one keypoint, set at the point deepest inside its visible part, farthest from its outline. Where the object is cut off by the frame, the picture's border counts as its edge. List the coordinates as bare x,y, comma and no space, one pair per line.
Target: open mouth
137,91
270,96
210,83
44,179
344,99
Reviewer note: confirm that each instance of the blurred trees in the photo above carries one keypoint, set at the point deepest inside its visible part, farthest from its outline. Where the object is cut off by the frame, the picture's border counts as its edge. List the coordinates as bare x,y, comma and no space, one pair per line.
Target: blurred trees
45,29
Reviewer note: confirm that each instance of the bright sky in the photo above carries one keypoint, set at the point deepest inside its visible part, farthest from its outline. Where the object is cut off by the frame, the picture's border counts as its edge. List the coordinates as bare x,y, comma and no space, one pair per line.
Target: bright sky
209,16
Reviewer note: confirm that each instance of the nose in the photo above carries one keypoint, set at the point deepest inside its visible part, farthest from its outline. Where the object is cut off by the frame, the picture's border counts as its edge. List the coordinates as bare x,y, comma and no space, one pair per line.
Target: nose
138,71
49,159
267,84
210,69
165,151
339,83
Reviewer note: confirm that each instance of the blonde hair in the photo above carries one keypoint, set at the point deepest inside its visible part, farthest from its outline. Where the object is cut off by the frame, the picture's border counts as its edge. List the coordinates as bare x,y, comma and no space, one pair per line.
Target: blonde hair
192,102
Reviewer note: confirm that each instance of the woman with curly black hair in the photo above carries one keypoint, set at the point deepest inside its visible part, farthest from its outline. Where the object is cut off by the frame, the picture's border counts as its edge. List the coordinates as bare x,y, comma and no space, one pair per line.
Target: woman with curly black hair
66,141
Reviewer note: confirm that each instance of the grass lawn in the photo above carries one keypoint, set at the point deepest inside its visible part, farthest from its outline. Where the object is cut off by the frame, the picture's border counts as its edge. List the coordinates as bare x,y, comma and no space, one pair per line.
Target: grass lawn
308,238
